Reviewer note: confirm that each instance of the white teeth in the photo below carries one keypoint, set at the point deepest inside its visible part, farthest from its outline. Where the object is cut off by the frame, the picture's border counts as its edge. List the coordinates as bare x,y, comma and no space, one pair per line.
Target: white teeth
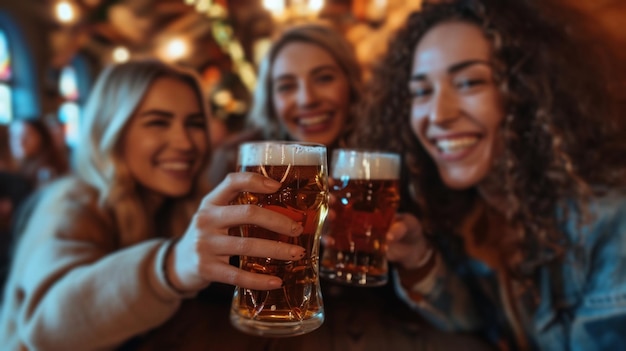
308,121
454,145
176,166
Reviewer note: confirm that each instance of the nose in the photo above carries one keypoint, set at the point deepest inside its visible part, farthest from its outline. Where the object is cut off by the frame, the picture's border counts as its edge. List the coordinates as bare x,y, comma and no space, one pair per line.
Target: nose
445,107
306,94
180,138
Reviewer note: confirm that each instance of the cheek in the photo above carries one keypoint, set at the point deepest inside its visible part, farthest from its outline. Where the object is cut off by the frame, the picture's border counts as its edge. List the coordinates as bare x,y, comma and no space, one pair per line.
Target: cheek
417,123
201,141
340,94
280,103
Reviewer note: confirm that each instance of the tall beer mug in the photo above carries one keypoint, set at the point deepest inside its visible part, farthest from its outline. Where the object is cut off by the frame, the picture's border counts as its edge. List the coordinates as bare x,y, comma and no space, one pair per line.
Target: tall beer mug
297,307
365,186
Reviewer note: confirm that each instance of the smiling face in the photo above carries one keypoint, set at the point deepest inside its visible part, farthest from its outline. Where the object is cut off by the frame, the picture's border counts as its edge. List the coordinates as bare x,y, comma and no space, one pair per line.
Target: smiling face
456,108
166,139
311,94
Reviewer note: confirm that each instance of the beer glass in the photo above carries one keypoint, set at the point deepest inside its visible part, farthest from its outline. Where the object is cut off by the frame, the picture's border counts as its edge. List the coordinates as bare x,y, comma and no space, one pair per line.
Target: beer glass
365,186
297,307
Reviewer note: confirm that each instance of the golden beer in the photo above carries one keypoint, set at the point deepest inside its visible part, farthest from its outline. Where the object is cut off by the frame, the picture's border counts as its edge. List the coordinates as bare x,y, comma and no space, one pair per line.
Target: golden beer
366,190
297,307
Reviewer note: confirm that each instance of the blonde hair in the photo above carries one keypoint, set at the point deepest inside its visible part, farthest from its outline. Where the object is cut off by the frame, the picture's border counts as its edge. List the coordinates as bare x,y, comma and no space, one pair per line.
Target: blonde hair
262,115
115,97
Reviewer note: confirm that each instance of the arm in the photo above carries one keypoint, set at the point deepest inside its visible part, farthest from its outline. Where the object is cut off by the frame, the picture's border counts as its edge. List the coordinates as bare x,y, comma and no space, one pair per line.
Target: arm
424,281
599,322
72,289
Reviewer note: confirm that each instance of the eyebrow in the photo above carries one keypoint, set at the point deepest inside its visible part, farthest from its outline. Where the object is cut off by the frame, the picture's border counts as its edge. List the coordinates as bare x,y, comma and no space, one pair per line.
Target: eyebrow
314,71
453,69
167,114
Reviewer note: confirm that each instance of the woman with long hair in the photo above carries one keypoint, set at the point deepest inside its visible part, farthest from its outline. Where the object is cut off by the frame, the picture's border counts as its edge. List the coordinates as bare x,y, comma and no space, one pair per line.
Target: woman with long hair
115,255
309,86
513,142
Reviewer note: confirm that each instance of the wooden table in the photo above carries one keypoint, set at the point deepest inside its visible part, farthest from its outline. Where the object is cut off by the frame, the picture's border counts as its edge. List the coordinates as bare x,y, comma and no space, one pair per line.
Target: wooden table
357,319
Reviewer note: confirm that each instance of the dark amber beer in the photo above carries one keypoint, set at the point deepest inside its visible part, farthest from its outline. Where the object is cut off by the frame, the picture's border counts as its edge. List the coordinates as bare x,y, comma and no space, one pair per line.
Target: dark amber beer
365,186
297,307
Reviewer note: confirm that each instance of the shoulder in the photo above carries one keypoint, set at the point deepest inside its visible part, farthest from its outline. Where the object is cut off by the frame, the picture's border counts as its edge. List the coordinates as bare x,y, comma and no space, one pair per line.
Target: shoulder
69,208
606,218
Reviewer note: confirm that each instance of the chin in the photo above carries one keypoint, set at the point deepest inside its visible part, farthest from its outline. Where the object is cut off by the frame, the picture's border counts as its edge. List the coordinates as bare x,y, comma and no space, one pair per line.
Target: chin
459,182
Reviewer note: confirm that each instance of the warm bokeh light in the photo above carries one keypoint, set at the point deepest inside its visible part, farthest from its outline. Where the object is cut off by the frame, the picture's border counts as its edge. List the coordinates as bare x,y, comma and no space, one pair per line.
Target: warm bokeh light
121,54
274,6
176,49
316,5
65,12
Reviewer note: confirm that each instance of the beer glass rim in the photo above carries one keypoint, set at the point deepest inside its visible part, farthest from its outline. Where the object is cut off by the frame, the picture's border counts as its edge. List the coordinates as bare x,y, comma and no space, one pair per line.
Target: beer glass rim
368,152
282,142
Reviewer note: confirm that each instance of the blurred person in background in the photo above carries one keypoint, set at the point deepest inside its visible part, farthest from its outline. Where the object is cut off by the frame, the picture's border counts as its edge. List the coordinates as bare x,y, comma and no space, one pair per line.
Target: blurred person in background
35,151
308,87
117,254
14,190
513,143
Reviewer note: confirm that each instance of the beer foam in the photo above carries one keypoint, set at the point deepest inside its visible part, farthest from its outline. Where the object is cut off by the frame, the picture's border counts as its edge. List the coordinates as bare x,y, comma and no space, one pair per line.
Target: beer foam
365,165
279,153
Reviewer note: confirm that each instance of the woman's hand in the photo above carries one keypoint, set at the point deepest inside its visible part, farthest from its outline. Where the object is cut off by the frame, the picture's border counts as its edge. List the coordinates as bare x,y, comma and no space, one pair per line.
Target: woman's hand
202,255
406,242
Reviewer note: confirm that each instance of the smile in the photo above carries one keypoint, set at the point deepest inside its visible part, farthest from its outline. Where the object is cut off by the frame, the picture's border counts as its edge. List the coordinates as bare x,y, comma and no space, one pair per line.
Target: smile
176,166
456,144
314,120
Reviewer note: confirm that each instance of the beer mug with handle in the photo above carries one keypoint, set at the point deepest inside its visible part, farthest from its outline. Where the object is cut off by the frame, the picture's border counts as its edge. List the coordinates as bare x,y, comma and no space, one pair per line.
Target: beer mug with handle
297,307
365,186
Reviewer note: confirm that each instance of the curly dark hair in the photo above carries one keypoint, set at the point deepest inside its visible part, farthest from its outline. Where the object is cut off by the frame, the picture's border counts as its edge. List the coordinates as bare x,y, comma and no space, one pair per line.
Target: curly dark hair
562,130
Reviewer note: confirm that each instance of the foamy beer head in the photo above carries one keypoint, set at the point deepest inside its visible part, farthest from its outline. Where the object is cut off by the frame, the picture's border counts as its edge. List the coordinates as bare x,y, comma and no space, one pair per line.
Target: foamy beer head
356,164
282,154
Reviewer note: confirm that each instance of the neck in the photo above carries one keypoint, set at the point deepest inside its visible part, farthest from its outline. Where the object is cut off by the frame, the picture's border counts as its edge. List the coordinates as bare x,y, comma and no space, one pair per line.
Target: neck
152,202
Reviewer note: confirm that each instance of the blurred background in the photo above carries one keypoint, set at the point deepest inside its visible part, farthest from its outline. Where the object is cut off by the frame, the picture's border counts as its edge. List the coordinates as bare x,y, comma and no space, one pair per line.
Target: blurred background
51,50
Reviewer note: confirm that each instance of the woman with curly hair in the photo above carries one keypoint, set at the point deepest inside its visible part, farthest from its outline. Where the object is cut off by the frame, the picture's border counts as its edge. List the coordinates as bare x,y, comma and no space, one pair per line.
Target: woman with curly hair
515,216
116,255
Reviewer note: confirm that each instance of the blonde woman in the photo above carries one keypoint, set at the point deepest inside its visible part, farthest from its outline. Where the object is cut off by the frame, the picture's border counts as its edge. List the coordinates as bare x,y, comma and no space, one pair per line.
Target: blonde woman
111,252
309,86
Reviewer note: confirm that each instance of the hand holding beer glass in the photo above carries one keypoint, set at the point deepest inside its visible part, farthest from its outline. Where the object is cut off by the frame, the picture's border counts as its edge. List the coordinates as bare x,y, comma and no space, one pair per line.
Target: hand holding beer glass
297,307
365,186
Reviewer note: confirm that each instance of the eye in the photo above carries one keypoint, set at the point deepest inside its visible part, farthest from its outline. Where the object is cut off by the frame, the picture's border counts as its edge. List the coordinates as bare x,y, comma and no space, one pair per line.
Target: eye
420,93
197,122
468,84
158,122
285,87
325,78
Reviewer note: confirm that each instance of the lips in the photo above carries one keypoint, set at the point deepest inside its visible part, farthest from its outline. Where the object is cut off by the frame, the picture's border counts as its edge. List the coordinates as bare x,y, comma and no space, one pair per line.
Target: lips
175,166
450,145
314,122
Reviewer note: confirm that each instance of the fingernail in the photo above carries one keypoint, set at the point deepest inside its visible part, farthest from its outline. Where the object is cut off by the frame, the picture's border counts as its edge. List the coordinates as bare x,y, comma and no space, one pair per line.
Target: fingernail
297,253
271,183
296,228
275,283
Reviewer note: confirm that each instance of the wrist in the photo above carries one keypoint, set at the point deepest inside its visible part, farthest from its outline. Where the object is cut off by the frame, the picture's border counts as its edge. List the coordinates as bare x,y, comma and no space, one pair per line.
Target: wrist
415,274
169,263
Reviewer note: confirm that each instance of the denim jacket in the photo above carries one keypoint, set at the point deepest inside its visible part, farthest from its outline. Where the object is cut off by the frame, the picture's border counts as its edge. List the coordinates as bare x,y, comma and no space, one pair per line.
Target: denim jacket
582,298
